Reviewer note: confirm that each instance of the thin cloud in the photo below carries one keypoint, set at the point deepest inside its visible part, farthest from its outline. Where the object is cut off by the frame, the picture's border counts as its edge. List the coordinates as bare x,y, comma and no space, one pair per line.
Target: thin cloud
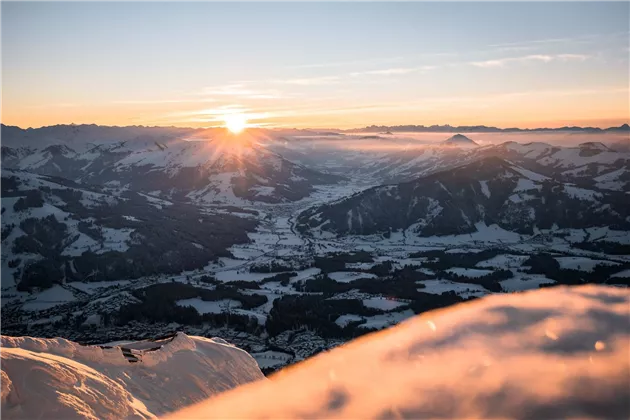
492,48
219,110
305,111
264,96
162,101
59,105
544,58
515,48
476,102
503,61
578,39
252,117
393,71
558,40
241,90
579,57
312,81
346,63
373,61
536,41
566,92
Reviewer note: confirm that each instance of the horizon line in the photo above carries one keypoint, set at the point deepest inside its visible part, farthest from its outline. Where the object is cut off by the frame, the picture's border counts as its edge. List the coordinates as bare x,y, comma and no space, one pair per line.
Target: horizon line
573,127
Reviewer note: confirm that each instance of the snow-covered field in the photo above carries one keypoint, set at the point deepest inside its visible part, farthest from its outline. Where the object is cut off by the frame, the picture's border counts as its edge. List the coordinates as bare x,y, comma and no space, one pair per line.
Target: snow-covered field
348,276
503,261
581,263
438,287
383,304
375,321
210,307
344,320
386,320
48,298
271,358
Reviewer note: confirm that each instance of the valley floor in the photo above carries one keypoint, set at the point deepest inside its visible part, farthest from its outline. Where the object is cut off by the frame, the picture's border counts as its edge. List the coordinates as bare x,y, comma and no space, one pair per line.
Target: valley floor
84,311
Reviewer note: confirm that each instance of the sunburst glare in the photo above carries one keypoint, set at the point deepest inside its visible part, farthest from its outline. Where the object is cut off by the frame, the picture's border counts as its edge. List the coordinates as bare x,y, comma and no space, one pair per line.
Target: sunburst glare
236,123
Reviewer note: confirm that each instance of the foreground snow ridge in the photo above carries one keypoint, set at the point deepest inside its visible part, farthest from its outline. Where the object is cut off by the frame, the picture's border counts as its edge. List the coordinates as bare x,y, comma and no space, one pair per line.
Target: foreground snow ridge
552,353
57,378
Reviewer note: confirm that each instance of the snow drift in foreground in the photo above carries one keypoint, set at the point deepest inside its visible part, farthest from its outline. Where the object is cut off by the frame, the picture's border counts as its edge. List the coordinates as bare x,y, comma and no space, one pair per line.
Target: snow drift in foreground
56,378
551,353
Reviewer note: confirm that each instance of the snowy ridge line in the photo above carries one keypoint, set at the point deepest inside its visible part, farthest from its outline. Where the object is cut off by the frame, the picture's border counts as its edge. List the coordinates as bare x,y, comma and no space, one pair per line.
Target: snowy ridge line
108,354
57,378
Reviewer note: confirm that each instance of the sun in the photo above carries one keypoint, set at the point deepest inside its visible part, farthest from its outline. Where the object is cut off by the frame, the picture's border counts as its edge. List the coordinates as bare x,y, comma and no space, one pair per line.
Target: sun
235,122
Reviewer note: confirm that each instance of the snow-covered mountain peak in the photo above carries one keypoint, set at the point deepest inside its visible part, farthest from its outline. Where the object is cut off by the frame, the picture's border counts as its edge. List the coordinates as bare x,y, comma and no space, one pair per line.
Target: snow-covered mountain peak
459,140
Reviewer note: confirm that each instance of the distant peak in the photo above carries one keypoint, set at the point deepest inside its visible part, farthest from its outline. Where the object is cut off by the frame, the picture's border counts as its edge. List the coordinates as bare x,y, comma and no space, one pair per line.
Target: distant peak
459,140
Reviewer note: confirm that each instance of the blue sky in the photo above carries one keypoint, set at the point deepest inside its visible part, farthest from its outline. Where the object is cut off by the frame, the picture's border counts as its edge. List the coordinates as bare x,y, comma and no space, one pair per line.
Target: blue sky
315,64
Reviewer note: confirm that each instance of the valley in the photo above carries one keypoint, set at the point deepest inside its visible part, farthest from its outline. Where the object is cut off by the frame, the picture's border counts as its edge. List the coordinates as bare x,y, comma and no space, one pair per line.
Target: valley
289,246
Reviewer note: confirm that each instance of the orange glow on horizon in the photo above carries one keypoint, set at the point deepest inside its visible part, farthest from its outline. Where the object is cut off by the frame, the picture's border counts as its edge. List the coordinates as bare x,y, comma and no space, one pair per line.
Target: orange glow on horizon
605,110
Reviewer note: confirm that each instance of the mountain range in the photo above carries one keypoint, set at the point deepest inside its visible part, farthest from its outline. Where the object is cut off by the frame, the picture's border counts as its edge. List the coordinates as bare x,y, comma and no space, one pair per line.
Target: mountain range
13,135
490,191
624,128
290,242
173,163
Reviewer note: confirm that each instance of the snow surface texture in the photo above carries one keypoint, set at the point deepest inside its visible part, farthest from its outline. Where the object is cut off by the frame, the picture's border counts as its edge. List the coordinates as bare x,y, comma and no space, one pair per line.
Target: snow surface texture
552,353
56,378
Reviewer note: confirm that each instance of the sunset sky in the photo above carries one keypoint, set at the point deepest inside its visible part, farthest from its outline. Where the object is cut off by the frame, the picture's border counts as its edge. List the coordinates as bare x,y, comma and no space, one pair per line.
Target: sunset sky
315,64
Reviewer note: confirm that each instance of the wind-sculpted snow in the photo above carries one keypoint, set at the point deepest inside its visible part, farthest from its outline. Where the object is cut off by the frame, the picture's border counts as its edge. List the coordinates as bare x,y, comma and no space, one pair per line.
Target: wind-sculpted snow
553,353
56,378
